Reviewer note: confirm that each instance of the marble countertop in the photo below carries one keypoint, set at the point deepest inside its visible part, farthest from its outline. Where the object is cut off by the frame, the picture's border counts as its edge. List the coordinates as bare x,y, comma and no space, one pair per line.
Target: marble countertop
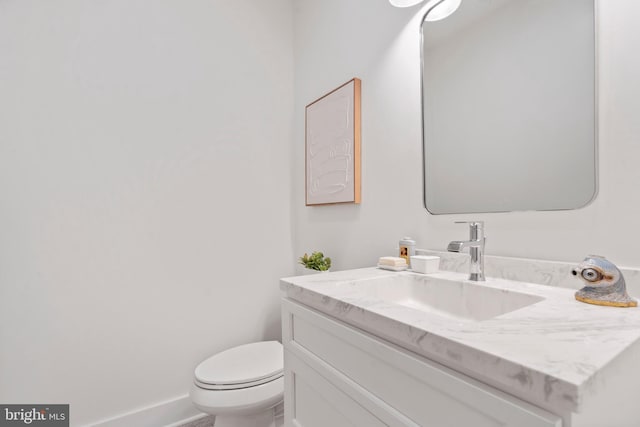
549,353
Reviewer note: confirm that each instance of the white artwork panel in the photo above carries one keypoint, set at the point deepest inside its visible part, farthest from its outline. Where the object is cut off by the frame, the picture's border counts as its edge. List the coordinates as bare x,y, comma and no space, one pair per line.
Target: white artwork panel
330,147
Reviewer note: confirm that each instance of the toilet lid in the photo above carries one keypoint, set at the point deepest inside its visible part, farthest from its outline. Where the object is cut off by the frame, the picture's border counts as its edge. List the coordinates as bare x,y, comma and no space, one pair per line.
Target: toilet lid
245,365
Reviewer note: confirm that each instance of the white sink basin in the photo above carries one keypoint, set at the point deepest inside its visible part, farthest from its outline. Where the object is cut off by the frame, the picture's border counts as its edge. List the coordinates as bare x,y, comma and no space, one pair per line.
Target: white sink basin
462,300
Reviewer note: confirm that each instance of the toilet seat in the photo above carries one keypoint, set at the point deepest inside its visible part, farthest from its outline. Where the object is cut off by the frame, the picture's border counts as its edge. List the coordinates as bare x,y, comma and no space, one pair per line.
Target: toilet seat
240,367
237,386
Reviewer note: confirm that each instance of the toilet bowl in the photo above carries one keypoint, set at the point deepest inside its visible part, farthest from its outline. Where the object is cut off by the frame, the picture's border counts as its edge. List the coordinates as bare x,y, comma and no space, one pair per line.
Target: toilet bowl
242,386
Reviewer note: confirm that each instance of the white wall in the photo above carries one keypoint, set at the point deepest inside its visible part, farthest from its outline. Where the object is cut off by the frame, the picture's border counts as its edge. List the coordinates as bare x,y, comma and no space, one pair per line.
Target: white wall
144,193
337,40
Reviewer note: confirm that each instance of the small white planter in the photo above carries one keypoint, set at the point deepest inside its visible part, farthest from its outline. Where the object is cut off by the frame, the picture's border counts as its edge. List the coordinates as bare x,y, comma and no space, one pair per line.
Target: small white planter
304,271
308,271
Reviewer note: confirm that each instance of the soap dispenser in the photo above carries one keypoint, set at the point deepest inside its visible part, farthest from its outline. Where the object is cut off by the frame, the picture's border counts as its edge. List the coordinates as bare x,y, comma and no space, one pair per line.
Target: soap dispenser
407,249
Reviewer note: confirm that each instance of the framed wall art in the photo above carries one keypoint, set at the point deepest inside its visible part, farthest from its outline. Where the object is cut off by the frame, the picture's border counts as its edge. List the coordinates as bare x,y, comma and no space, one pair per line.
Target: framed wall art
332,147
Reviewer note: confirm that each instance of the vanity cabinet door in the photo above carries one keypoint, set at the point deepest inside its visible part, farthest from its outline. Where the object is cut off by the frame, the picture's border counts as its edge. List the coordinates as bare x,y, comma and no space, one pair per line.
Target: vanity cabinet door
399,387
312,401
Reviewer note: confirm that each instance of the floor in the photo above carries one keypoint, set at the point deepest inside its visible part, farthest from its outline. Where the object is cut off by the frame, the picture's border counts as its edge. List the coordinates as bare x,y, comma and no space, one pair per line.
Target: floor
278,421
202,422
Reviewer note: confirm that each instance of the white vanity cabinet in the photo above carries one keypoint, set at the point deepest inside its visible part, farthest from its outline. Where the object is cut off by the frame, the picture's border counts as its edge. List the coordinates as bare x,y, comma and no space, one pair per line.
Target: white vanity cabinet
337,375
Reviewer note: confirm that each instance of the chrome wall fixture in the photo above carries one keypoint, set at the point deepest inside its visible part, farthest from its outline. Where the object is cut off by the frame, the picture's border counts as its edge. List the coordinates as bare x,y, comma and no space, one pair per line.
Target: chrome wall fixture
404,3
439,11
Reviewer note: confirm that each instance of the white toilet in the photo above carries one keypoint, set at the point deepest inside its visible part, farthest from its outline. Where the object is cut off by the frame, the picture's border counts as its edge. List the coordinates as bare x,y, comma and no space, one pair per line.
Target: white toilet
242,386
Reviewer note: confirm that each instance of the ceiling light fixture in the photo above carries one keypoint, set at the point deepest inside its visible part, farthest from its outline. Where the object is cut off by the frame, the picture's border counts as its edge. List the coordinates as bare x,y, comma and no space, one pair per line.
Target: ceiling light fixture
404,3
437,12
442,10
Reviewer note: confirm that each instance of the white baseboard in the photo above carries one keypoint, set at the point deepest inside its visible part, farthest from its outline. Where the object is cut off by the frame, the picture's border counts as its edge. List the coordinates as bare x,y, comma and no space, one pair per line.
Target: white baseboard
171,413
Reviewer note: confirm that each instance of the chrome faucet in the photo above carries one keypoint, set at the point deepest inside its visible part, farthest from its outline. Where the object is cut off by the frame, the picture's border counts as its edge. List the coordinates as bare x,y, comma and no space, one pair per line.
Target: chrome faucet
476,248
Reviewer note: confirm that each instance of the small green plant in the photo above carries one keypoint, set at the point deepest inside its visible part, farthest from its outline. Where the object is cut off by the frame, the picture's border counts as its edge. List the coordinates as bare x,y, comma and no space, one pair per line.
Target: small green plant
316,261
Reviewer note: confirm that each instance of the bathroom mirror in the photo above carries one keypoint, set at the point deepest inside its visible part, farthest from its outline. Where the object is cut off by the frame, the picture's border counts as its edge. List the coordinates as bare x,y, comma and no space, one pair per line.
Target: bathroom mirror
509,106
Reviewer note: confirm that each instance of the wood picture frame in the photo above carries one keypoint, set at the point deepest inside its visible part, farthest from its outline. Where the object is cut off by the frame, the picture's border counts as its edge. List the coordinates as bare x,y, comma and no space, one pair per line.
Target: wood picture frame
332,147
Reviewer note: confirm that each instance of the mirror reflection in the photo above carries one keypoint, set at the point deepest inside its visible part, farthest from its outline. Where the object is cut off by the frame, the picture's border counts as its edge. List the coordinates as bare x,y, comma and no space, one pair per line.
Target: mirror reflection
509,119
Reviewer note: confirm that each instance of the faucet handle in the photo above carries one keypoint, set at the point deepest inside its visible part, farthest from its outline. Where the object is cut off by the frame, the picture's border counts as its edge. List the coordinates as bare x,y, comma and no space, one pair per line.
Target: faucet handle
474,225
476,229
469,222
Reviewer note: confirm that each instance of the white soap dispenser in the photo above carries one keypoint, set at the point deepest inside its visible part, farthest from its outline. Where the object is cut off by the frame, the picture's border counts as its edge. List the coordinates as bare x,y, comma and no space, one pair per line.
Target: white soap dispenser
407,249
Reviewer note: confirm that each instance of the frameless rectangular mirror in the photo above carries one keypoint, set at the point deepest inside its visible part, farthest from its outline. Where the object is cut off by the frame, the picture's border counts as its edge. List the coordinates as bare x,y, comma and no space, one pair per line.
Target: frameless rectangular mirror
509,106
